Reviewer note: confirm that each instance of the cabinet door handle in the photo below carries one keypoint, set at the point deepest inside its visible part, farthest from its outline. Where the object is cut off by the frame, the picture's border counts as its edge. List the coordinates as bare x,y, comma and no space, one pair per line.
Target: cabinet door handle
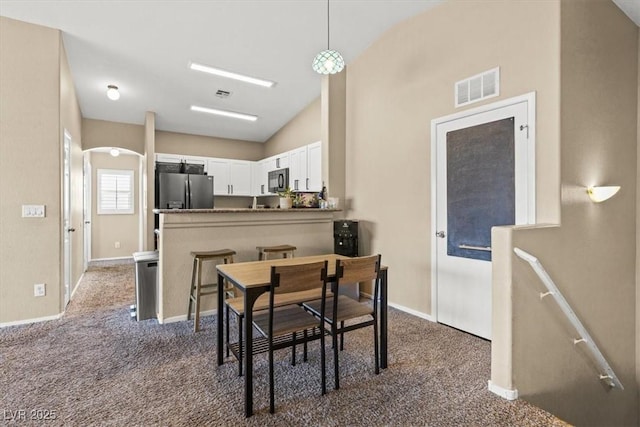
231,188
261,188
307,183
277,163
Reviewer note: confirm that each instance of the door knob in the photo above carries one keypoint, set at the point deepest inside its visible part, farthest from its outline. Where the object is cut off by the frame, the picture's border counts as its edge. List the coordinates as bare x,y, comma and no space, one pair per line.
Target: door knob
440,234
71,229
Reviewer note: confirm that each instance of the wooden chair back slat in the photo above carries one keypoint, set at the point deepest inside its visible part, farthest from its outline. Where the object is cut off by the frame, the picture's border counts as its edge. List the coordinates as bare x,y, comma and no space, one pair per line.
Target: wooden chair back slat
360,269
296,278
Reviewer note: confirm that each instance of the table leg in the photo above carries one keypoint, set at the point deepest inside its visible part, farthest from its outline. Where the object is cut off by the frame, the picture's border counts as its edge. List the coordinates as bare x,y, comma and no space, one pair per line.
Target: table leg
220,348
383,318
250,297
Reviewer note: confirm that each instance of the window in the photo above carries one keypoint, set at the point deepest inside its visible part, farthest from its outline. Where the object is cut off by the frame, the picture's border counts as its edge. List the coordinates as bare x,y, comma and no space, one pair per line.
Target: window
115,191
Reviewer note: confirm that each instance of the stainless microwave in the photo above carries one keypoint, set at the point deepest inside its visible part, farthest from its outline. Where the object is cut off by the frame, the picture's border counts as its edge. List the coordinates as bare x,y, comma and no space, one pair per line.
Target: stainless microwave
278,180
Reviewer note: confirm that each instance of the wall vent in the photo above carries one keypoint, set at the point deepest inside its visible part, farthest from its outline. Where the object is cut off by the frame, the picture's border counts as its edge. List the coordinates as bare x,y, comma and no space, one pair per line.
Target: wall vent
475,88
223,93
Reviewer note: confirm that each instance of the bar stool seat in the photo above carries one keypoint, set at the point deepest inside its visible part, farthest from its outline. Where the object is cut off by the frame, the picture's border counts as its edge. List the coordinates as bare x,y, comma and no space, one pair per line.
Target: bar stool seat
199,289
287,251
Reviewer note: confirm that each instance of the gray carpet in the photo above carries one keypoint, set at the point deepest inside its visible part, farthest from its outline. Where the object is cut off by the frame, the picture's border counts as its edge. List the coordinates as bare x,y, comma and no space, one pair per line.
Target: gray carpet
96,366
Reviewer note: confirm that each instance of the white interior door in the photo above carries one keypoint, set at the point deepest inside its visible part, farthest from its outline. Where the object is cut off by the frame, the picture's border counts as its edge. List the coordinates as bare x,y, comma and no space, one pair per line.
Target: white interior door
66,217
86,209
484,176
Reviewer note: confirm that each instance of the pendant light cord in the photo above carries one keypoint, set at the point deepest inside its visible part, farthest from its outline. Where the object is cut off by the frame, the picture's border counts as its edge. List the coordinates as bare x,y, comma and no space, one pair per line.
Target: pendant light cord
328,26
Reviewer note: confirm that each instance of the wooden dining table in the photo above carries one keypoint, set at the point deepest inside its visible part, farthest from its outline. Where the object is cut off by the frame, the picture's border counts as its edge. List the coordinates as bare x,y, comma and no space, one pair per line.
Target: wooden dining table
253,279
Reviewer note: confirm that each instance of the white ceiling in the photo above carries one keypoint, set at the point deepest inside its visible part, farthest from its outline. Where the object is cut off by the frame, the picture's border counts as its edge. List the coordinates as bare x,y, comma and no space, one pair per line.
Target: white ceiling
144,47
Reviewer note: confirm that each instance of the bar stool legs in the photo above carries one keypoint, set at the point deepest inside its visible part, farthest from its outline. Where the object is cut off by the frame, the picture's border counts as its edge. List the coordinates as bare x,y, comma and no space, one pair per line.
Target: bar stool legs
197,288
287,251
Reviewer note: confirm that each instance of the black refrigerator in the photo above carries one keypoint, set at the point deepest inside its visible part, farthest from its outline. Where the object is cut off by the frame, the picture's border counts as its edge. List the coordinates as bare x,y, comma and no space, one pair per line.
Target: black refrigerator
184,191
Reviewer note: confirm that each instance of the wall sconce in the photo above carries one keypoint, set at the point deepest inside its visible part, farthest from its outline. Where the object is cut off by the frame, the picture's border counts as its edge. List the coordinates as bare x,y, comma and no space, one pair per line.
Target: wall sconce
600,194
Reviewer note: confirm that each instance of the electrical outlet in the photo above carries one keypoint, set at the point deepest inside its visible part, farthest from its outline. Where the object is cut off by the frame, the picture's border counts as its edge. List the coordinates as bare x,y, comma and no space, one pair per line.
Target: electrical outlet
39,290
117,245
33,211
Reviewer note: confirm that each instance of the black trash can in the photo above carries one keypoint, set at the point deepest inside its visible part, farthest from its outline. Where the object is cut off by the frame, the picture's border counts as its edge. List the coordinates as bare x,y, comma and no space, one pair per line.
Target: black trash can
146,284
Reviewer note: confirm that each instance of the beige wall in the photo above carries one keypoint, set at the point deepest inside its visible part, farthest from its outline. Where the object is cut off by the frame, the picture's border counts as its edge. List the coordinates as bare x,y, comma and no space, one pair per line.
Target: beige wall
38,102
106,230
100,133
194,145
592,255
405,80
638,235
303,129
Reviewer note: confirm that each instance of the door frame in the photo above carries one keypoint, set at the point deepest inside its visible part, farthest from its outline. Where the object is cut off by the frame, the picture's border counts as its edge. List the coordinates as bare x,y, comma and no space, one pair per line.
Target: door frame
87,209
530,99
67,238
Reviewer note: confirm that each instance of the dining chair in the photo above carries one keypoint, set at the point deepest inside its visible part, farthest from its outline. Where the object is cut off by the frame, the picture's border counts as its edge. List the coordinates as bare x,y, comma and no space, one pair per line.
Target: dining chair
282,325
343,308
236,306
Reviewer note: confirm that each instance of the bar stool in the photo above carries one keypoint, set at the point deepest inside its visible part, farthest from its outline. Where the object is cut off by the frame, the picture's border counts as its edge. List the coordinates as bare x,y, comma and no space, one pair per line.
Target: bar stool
226,255
287,251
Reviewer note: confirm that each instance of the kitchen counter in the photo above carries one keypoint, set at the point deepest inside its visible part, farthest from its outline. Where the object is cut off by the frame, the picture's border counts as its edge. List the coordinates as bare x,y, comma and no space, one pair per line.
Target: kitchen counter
182,231
241,210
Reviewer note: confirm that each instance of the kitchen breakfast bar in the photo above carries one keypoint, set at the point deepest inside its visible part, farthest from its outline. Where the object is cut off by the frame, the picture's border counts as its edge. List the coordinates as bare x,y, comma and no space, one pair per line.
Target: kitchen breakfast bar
182,231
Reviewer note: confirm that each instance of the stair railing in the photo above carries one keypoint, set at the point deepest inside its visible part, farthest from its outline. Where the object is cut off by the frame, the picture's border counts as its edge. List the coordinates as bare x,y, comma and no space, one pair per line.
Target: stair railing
607,373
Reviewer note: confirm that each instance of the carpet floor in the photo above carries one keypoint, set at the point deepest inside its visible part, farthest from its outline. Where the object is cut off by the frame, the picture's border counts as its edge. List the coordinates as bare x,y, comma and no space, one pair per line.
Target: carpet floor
96,366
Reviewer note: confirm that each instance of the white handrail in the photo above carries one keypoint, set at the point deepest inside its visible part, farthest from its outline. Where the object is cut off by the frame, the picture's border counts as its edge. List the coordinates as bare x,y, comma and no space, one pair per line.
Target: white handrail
609,376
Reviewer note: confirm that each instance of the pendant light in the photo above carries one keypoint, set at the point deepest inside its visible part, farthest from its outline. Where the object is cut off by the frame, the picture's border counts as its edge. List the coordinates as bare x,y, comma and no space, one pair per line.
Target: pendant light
328,61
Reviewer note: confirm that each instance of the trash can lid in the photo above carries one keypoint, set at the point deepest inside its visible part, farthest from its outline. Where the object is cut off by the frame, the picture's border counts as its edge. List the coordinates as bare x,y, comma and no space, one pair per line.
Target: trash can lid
145,256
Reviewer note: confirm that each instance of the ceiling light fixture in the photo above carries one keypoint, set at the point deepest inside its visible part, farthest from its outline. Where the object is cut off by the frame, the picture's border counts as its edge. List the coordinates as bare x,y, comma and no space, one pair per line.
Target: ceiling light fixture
230,75
225,113
328,61
113,93
600,194
114,152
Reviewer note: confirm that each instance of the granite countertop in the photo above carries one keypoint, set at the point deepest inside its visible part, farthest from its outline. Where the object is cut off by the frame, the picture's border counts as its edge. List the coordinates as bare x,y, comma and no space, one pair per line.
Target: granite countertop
240,210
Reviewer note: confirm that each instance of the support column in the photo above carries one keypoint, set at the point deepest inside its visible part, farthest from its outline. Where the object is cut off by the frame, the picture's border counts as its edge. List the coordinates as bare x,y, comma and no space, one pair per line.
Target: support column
148,179
333,134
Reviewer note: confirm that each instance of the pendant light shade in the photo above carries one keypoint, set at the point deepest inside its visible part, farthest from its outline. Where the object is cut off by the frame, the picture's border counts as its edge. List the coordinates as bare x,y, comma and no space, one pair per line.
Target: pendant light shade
328,61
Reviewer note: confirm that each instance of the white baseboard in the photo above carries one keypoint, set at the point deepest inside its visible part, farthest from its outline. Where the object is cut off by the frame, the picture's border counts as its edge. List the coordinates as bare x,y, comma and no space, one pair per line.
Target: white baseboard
183,317
111,259
28,321
403,308
75,288
502,392
412,312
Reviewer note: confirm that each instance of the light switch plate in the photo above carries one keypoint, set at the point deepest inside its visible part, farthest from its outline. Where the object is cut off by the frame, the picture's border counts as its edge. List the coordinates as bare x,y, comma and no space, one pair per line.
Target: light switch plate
33,211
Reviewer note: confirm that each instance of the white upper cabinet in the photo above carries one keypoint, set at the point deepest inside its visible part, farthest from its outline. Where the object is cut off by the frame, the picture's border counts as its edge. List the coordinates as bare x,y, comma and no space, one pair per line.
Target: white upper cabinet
219,170
230,177
298,169
240,177
246,178
314,166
